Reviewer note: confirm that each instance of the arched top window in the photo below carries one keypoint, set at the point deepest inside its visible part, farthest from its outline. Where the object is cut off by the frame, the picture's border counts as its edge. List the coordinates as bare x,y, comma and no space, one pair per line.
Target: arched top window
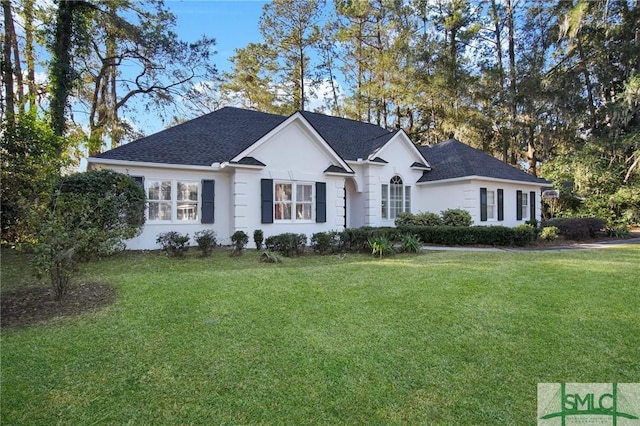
396,180
396,198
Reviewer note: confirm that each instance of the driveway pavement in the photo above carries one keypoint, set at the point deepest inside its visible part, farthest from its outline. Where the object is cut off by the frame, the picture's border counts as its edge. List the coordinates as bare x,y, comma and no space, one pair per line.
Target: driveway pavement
580,246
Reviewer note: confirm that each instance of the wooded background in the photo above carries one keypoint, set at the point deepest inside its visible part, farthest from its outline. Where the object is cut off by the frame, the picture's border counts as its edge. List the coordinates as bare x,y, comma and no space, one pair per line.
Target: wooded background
552,87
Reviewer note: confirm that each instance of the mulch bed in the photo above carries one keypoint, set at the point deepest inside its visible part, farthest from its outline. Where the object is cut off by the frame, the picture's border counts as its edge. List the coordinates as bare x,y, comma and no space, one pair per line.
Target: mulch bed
35,305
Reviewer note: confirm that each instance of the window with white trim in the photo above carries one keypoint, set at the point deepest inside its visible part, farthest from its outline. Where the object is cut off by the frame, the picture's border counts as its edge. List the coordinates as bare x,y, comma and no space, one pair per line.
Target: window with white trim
187,200
293,201
524,205
395,198
491,205
171,200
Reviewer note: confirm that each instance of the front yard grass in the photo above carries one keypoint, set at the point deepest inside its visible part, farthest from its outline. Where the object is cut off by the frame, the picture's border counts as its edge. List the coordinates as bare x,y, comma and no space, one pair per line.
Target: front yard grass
433,338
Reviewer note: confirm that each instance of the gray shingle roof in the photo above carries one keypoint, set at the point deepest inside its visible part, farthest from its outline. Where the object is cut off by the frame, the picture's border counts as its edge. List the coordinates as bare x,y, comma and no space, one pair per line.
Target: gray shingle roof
350,139
453,159
215,137
223,134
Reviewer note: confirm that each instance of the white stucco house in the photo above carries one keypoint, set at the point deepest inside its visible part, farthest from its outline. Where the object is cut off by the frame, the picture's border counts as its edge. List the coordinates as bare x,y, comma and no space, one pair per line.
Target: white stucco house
237,169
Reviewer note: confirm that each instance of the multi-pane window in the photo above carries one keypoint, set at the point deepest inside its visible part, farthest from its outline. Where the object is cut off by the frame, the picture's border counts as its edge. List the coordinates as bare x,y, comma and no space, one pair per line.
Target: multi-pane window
395,198
187,197
524,205
293,198
491,205
172,200
304,201
385,201
159,199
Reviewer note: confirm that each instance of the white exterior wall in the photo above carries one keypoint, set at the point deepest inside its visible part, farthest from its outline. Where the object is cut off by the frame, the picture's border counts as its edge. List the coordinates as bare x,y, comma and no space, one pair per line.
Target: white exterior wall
465,194
291,155
222,225
436,198
400,154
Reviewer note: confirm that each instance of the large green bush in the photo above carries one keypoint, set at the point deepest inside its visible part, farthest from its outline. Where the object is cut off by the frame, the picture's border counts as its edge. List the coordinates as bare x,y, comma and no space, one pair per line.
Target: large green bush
118,199
89,214
578,228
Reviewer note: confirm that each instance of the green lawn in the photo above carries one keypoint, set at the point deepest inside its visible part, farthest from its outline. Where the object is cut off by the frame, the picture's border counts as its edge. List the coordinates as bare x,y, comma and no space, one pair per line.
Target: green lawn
435,338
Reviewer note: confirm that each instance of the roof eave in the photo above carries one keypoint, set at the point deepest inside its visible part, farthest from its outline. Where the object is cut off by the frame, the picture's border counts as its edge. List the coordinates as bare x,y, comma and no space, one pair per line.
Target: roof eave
128,163
485,178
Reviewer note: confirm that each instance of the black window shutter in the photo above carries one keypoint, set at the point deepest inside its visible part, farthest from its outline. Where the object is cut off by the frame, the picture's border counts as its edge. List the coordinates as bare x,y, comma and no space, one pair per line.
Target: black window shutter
519,205
321,202
208,201
266,191
532,205
483,204
500,204
139,179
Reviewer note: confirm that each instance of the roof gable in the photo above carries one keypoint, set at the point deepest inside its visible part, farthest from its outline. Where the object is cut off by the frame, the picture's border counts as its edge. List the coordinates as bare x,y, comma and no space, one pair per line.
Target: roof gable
288,137
401,138
453,159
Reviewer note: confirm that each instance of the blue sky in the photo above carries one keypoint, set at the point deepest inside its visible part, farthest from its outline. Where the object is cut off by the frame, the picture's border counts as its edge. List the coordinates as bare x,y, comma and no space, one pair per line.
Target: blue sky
233,24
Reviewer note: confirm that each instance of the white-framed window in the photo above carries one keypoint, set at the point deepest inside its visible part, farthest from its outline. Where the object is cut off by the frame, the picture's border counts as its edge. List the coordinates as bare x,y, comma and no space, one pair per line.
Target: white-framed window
395,198
159,200
293,201
187,200
524,206
491,205
172,200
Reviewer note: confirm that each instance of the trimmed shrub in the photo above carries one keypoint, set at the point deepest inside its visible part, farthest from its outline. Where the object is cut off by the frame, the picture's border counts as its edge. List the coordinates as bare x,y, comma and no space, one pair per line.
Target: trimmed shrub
240,239
206,241
258,238
428,219
524,234
287,244
404,219
467,235
326,242
549,233
456,217
173,243
420,219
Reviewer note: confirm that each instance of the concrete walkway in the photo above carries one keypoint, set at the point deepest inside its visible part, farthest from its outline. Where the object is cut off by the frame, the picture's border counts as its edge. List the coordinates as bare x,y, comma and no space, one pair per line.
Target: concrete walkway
578,246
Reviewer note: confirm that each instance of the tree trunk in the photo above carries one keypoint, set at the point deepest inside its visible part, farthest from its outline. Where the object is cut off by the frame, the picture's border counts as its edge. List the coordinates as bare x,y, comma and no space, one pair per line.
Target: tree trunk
587,83
504,142
637,35
531,151
7,65
61,73
512,86
28,52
